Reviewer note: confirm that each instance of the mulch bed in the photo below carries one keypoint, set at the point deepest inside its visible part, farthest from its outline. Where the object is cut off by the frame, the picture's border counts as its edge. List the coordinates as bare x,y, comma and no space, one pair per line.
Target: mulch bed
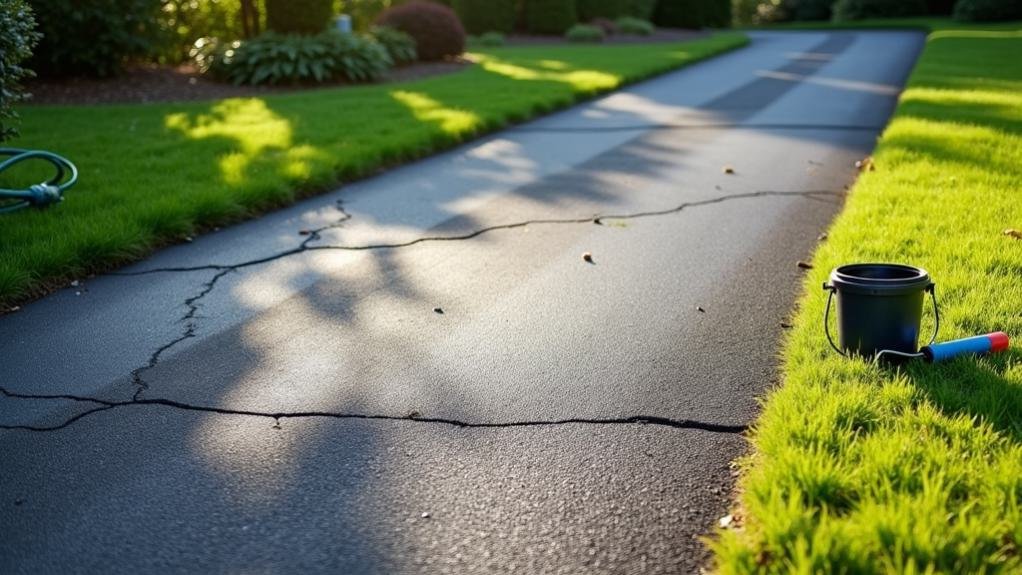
660,35
151,83
184,84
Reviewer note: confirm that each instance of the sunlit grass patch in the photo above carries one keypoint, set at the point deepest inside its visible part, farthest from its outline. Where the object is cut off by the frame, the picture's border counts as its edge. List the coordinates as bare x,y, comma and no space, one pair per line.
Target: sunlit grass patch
860,468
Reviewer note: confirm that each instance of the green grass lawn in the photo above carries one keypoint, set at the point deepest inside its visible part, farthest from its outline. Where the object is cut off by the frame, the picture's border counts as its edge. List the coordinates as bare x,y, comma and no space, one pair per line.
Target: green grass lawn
861,468
155,174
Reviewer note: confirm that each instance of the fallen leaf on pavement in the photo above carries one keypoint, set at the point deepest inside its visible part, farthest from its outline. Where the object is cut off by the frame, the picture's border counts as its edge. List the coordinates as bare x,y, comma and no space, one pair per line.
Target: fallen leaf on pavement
866,164
804,265
729,170
588,257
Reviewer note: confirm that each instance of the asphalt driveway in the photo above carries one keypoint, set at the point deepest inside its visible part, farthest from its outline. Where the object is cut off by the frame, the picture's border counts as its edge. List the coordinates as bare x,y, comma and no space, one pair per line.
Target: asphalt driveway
534,353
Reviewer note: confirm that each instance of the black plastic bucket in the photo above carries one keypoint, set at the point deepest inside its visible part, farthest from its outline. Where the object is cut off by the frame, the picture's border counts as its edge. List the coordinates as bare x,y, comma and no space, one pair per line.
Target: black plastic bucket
879,307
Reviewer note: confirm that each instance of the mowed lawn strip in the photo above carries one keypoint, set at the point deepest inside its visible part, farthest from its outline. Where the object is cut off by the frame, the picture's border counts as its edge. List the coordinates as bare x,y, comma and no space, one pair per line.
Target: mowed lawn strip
155,174
861,468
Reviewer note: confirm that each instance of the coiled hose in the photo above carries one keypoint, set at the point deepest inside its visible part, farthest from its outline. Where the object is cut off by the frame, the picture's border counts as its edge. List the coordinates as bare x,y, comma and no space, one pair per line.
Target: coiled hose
39,195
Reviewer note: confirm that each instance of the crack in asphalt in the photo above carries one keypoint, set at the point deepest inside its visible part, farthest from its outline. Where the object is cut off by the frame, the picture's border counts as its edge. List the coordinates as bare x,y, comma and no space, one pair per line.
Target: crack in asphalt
105,405
598,219
193,304
708,126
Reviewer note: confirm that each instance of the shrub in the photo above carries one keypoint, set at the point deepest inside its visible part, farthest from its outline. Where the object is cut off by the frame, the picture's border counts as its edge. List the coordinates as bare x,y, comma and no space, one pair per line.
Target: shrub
608,26
861,9
479,16
591,9
692,13
986,10
399,45
549,16
491,39
298,16
273,58
93,38
940,7
17,37
584,33
636,26
436,29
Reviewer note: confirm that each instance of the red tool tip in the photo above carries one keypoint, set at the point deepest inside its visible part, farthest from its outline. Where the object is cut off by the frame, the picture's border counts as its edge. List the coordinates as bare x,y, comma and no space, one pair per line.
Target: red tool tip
998,341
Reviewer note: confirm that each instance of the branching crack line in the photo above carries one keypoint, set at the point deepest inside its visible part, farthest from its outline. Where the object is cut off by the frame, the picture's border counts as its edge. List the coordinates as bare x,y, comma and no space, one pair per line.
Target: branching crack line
105,405
597,219
707,126
193,303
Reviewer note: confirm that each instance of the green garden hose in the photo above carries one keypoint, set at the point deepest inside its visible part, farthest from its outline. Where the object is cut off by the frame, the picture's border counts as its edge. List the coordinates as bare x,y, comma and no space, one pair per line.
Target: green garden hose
39,195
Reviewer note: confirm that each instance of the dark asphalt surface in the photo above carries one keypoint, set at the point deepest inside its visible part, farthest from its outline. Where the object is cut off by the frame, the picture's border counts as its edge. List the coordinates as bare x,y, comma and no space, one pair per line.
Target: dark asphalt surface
265,401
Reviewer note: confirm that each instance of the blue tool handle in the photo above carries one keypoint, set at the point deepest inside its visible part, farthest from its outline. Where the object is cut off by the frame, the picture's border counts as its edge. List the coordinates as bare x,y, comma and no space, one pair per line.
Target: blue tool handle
979,344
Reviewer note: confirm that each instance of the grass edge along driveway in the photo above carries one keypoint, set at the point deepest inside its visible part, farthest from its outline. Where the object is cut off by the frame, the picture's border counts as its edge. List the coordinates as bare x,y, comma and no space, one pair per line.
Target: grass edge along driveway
860,468
155,174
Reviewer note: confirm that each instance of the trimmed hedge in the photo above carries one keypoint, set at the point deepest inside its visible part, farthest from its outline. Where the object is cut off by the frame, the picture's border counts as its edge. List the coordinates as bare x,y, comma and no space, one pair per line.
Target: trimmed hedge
862,9
693,13
585,33
480,16
298,16
988,10
436,29
93,38
549,16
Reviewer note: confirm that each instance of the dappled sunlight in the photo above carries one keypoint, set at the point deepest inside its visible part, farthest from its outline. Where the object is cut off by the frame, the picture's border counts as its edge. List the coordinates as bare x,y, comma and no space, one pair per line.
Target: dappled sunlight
450,120
256,134
997,35
551,71
994,105
839,83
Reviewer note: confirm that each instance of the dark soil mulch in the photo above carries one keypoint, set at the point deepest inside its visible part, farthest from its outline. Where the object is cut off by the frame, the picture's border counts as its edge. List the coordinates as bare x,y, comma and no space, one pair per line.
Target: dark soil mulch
660,35
184,84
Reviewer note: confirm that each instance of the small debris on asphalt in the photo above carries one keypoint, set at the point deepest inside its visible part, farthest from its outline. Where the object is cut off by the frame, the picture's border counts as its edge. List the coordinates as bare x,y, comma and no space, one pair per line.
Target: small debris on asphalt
304,232
15,308
587,257
19,501
804,265
866,164
438,310
726,521
425,515
1012,233
822,237
413,415
78,293
189,239
786,325
700,309
728,170
276,424
75,283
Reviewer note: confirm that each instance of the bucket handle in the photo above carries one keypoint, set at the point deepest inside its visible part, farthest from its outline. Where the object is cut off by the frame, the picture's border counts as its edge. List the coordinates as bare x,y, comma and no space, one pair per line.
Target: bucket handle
932,289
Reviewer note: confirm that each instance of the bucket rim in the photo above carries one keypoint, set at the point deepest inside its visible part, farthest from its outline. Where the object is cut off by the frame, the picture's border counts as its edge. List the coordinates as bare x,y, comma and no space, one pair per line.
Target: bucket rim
855,279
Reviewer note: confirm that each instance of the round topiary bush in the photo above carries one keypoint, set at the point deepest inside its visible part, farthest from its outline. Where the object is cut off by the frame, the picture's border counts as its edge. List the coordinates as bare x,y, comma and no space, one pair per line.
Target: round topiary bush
987,10
549,16
436,29
298,16
862,9
584,33
480,16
